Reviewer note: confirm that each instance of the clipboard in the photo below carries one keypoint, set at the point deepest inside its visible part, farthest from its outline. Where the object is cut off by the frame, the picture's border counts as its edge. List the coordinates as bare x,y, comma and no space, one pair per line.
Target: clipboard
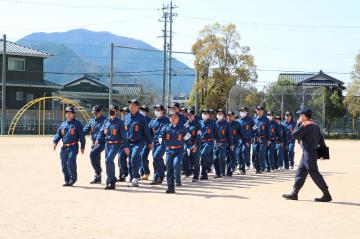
323,151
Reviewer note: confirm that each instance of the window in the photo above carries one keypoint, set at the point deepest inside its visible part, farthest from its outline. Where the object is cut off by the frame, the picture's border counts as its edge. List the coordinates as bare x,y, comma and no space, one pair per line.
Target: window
16,64
29,97
19,95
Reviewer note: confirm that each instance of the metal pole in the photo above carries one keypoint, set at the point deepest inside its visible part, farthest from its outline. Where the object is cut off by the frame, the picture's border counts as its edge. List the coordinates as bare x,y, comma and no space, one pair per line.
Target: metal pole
3,97
111,74
44,105
240,94
282,104
170,54
39,119
323,111
165,16
196,89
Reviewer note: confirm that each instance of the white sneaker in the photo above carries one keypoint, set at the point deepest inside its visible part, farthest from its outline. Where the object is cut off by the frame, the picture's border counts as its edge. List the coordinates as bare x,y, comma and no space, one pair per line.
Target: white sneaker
134,183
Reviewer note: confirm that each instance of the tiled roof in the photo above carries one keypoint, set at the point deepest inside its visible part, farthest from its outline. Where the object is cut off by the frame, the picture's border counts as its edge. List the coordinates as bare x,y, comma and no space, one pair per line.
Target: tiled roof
15,49
295,78
311,79
128,89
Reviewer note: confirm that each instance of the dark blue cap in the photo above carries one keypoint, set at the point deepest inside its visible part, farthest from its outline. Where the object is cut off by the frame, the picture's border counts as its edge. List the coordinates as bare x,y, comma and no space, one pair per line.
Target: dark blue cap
260,107
96,109
113,108
159,106
125,109
305,111
134,101
70,109
191,111
171,113
144,108
174,104
205,111
231,113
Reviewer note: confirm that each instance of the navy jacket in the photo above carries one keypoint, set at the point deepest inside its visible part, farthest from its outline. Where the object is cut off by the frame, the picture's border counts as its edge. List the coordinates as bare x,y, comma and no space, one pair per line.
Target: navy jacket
71,132
113,130
94,126
137,129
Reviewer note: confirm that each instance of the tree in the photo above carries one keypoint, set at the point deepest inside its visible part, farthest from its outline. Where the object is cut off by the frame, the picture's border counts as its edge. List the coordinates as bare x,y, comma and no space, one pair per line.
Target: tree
352,99
220,61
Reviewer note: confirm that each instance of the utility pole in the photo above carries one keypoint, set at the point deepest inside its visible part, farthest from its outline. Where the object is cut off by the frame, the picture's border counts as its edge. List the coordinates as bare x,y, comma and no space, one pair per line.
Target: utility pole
111,74
165,20
3,96
171,15
196,88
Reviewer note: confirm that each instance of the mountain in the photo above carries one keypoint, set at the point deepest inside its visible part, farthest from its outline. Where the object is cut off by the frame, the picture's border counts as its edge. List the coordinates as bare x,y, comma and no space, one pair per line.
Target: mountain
84,51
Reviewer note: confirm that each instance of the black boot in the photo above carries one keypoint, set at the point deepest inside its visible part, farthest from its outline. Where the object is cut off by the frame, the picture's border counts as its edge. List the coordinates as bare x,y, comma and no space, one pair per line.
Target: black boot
291,196
170,190
325,198
110,186
97,179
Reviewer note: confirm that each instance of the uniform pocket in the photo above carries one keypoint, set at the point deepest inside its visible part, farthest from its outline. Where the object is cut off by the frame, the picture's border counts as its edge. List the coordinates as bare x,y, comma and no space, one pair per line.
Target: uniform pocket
167,137
136,128
113,132
72,131
179,138
223,132
209,131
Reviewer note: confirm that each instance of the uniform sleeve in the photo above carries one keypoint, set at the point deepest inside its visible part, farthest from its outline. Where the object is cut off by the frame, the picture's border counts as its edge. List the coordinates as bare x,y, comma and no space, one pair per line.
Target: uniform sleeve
146,131
230,136
162,133
299,131
268,129
123,134
81,135
242,132
216,133
198,134
87,128
321,139
58,136
101,135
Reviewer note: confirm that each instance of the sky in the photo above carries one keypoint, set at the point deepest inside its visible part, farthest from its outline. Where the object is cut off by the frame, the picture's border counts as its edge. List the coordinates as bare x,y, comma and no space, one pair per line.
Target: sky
283,35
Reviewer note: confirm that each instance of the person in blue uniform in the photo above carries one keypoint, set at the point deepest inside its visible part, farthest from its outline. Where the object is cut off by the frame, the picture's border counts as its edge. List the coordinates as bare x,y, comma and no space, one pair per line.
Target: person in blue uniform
173,137
225,141
310,138
289,124
156,125
93,127
237,134
175,107
138,134
70,132
122,156
281,144
145,170
271,149
209,133
247,123
114,136
191,162
254,145
262,138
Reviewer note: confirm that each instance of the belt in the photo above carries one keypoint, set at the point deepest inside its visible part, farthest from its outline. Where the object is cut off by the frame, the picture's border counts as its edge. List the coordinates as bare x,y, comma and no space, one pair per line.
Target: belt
133,141
207,140
70,144
113,142
174,147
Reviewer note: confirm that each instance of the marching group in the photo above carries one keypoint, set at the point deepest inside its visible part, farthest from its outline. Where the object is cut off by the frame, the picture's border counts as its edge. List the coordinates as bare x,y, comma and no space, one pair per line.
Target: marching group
193,144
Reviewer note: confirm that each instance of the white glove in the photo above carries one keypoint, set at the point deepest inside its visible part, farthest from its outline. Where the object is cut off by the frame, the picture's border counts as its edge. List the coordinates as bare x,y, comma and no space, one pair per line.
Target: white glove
254,127
188,151
187,136
160,140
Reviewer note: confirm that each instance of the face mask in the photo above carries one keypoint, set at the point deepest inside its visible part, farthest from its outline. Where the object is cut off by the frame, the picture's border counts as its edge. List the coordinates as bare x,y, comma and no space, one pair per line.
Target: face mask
220,117
112,113
242,114
270,117
204,117
158,114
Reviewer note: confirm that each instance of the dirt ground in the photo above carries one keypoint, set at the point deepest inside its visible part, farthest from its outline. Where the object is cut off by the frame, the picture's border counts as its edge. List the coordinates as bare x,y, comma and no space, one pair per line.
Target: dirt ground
33,204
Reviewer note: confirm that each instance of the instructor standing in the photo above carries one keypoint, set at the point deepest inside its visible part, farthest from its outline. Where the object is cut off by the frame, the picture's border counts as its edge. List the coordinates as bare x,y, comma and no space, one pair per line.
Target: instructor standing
309,136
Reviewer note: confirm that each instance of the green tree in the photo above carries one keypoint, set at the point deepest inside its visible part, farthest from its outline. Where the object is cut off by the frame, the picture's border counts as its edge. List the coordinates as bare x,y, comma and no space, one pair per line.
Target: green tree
352,99
220,61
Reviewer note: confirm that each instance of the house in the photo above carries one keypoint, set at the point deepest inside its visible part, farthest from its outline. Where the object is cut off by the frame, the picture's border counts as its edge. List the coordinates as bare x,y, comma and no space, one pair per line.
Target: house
313,80
89,89
25,75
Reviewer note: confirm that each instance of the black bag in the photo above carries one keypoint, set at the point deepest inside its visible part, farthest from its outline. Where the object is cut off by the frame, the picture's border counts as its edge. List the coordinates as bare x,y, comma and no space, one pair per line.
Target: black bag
323,151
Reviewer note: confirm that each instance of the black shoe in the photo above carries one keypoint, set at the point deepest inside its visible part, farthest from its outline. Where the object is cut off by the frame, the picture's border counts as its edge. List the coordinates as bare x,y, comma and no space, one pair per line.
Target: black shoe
178,184
217,176
96,180
229,174
242,172
66,184
195,180
204,177
121,179
110,186
290,196
170,190
156,182
324,198
259,172
268,170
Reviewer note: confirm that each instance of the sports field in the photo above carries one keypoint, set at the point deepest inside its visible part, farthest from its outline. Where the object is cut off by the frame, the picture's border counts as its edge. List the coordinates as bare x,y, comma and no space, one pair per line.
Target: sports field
33,204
